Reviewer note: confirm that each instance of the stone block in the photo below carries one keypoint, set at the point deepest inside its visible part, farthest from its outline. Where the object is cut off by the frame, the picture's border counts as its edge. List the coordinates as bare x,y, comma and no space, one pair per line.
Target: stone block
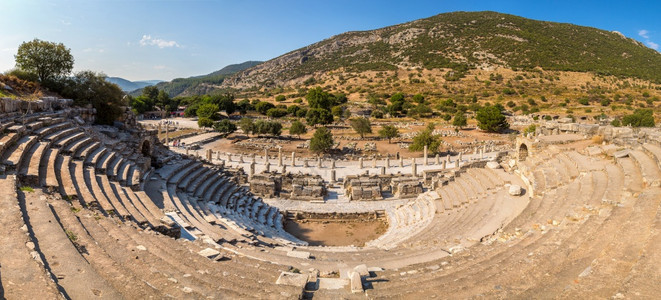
299,254
515,190
293,279
493,165
356,282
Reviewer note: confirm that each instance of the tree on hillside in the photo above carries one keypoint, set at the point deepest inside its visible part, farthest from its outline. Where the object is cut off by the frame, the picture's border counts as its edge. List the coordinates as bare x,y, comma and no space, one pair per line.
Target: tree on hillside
322,140
247,125
224,126
316,116
262,107
47,60
389,132
87,87
639,118
297,128
491,119
426,138
225,103
204,122
361,126
208,110
318,98
267,128
459,120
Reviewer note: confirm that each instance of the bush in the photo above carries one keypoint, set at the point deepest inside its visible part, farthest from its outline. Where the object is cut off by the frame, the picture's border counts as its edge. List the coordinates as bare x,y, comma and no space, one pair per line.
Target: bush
377,114
208,111
267,128
225,126
616,123
316,116
263,107
297,128
280,98
322,140
361,126
639,118
491,119
426,138
204,122
276,113
389,132
459,120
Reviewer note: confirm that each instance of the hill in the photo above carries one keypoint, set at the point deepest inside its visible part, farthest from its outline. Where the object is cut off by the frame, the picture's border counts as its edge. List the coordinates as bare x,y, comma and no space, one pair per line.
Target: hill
461,41
128,86
198,85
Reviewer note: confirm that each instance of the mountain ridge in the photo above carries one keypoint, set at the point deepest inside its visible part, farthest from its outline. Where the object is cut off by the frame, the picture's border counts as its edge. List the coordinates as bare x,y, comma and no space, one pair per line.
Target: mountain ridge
128,85
460,41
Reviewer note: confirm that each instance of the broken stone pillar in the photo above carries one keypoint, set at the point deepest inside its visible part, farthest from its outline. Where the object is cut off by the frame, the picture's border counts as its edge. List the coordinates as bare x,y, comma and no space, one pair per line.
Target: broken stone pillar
481,153
401,162
218,155
397,155
459,158
305,163
425,162
268,167
438,159
332,176
187,150
447,158
279,157
374,162
252,169
293,159
414,168
209,153
387,162
229,157
284,169
318,162
241,158
253,158
333,164
383,170
167,135
360,162
445,164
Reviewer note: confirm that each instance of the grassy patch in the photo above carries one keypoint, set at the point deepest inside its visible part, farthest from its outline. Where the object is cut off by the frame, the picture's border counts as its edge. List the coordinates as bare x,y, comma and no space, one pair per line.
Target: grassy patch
72,236
26,189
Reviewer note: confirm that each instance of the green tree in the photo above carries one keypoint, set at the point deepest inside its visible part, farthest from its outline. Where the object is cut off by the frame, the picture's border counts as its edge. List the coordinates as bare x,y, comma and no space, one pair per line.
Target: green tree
316,116
87,87
247,125
491,119
276,113
389,132
361,126
426,138
459,120
262,107
639,118
280,98
225,103
47,60
224,126
267,128
204,122
208,111
318,98
150,92
322,140
418,98
293,109
297,128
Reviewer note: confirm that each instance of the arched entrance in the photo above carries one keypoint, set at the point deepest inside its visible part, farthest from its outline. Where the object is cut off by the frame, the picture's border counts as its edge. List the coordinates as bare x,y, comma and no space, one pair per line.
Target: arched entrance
145,149
523,152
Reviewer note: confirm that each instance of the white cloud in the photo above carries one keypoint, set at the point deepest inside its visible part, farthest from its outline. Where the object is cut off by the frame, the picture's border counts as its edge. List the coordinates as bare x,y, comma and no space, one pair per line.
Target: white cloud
644,33
653,45
160,67
147,40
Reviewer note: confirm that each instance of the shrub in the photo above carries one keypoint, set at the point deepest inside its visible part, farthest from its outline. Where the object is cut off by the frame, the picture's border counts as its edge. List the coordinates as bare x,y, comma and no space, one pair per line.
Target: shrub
322,140
491,119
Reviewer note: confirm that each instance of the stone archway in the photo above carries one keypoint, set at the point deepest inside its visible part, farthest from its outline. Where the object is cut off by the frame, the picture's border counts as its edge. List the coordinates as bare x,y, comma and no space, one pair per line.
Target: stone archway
146,148
523,152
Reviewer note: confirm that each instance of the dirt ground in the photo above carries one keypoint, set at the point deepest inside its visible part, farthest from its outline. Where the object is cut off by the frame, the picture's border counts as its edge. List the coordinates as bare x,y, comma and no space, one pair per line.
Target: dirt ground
334,233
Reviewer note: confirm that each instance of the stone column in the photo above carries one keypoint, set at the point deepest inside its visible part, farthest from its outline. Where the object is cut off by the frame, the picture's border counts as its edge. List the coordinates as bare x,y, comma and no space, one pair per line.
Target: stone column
253,158
268,166
414,168
425,162
374,162
167,135
209,151
284,169
447,158
360,162
279,157
293,159
401,162
438,159
218,155
187,150
387,162
397,155
229,157
266,155
445,164
252,169
459,158
481,153
241,158
332,176
333,164
383,170
319,162
305,163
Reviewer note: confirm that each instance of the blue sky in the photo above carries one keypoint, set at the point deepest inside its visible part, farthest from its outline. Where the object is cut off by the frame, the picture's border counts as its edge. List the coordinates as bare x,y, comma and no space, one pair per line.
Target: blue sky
150,39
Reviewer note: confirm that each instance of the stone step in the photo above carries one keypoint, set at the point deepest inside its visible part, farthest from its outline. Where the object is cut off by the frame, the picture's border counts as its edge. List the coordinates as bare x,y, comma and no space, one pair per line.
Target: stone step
14,155
106,188
649,169
84,151
22,270
93,185
73,272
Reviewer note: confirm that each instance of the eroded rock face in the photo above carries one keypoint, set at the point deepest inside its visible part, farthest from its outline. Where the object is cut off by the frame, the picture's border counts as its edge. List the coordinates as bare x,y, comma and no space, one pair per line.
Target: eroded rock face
515,190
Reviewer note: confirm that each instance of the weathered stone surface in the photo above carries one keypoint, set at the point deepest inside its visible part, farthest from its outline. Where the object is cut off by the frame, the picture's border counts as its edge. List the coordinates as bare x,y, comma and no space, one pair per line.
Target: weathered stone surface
621,154
515,190
209,253
356,282
493,165
295,279
299,254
